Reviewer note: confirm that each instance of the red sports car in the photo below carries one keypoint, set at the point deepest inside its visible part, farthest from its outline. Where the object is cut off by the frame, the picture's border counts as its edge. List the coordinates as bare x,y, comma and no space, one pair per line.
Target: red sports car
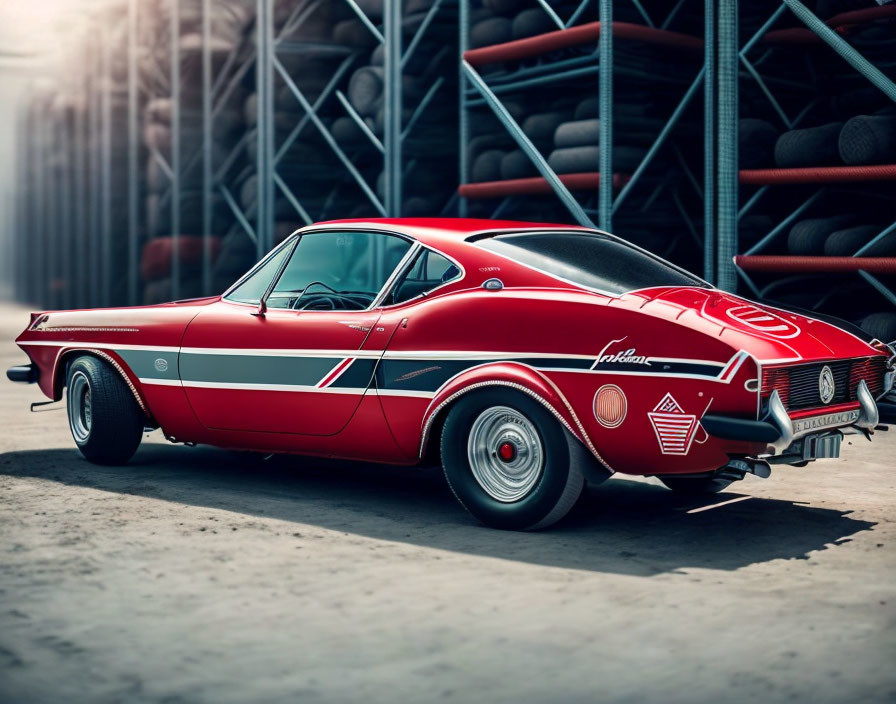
529,358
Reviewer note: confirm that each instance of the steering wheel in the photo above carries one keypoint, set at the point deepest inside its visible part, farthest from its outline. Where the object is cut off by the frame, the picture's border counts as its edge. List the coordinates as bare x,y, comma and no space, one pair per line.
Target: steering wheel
330,299
295,305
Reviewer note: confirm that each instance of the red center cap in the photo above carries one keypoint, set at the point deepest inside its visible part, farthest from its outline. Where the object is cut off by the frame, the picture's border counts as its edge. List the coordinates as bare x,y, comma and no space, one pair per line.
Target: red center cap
506,451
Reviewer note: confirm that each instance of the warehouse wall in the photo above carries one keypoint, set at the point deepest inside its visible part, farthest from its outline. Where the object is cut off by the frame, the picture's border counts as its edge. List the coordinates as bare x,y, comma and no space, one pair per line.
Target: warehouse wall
662,135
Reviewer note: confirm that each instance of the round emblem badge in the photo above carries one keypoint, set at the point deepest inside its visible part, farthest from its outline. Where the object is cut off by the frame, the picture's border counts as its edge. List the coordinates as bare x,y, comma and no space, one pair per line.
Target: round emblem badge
161,365
826,386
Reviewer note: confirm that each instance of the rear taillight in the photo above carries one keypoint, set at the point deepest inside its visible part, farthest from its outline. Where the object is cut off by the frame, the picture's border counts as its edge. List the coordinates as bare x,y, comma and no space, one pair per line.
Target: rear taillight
775,380
872,371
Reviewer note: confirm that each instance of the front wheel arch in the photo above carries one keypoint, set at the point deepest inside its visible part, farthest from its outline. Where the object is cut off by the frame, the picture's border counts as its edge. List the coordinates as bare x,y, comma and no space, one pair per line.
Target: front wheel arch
60,376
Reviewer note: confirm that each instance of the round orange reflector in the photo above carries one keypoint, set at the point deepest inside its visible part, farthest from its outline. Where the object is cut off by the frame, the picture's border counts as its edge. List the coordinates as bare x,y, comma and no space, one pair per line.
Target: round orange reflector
610,406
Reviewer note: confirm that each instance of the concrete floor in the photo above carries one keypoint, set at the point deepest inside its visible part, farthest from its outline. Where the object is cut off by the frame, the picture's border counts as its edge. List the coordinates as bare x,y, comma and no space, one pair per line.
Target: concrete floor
197,575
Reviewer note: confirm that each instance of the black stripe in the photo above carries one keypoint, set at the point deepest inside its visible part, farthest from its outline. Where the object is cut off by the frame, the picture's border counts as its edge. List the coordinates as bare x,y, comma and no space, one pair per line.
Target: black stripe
418,375
357,376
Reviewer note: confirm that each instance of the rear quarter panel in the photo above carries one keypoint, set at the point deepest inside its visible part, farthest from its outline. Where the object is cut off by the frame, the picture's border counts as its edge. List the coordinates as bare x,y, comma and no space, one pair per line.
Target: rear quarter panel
560,335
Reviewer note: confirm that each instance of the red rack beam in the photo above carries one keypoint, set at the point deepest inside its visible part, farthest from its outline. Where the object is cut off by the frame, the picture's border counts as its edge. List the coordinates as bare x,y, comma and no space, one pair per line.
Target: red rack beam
840,23
574,36
786,264
586,181
818,174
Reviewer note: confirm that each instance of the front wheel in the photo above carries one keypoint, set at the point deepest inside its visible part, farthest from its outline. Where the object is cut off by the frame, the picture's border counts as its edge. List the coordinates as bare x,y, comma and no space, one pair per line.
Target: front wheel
509,461
104,418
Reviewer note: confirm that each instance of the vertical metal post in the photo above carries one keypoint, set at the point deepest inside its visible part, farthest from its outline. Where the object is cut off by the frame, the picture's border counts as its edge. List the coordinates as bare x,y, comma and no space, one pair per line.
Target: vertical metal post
41,193
67,246
106,166
175,146
81,193
21,213
605,95
709,142
463,118
392,107
133,158
53,205
264,88
94,187
206,147
727,181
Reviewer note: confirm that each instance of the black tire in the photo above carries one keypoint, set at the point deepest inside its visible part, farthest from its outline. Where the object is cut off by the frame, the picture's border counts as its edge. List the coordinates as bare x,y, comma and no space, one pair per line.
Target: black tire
108,429
696,486
808,236
812,146
881,325
555,485
868,139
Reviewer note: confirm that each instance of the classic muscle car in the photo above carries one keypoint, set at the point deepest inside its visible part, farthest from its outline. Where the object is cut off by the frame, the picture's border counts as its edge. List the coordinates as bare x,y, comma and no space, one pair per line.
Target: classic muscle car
527,358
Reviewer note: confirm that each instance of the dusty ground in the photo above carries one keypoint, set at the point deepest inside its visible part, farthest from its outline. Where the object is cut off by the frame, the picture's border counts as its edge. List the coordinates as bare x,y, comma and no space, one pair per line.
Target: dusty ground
195,575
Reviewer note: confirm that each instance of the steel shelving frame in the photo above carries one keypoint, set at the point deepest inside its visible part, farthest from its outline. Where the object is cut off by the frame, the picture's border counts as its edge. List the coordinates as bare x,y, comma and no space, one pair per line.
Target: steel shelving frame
613,189
66,184
734,264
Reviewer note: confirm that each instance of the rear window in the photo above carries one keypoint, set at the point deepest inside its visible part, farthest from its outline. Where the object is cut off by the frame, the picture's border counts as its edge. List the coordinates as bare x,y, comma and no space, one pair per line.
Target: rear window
590,259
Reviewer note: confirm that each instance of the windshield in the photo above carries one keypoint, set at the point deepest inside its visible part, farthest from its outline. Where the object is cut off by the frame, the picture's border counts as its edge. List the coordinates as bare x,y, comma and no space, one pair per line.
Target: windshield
592,260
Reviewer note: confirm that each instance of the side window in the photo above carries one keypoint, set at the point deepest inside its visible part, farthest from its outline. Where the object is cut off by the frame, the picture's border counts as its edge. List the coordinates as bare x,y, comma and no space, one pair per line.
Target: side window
430,270
337,270
253,288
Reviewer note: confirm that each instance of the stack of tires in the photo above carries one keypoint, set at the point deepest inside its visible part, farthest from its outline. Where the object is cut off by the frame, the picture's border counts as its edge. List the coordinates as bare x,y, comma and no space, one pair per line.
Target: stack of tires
229,21
561,118
846,122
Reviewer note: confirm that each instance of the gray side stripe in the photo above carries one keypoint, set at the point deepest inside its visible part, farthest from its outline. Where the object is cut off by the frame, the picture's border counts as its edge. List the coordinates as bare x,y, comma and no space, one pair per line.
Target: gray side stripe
150,364
243,369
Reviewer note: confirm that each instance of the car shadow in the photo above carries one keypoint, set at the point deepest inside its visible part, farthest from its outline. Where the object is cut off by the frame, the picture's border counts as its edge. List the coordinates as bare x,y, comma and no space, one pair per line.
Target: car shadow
625,527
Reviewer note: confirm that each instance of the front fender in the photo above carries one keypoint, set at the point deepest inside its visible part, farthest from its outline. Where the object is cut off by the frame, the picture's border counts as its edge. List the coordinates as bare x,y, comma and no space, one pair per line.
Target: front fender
520,377
66,355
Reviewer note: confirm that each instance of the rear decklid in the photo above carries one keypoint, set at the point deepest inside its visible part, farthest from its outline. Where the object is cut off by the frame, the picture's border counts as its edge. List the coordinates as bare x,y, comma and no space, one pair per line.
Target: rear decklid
769,334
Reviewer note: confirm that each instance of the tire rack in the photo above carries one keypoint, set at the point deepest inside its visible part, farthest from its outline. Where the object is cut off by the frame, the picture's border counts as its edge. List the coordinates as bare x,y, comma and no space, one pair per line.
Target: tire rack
788,268
612,188
64,196
64,228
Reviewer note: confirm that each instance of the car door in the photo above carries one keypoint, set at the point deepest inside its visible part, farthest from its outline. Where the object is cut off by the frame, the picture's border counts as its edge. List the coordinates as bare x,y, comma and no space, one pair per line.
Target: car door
303,364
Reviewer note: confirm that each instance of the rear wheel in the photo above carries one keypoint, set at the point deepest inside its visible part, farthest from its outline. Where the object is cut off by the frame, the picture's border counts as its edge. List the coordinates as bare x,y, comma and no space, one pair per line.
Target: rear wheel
509,461
710,484
106,423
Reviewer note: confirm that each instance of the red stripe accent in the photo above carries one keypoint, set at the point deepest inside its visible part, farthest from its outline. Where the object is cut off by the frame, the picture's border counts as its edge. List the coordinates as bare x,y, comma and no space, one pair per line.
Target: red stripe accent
588,181
581,34
840,23
331,377
823,411
786,264
818,174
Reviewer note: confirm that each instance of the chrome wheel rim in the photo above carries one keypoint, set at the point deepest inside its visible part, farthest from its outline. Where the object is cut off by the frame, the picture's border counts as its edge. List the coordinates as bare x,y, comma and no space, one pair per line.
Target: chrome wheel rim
505,453
80,407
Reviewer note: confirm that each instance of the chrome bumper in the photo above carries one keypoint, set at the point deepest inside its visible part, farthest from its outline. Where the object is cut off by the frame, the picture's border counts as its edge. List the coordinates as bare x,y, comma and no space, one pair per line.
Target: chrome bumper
778,431
865,417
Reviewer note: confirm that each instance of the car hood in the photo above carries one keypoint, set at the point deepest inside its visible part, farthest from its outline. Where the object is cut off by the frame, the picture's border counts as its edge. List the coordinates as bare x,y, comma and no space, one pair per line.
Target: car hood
769,334
161,325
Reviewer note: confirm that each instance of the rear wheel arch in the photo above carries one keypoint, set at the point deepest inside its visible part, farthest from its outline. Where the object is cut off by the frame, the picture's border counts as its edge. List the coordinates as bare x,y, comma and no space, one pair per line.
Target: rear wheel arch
518,377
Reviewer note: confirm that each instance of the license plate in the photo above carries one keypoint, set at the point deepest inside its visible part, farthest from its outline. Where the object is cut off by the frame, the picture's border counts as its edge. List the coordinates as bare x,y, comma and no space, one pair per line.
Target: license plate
819,447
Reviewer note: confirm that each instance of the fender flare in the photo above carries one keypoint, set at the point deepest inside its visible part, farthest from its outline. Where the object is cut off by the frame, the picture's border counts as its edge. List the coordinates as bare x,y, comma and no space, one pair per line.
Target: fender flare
515,375
118,364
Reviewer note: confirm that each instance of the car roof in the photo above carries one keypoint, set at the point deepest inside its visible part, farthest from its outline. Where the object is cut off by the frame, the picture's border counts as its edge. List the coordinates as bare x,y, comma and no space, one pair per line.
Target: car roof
434,231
